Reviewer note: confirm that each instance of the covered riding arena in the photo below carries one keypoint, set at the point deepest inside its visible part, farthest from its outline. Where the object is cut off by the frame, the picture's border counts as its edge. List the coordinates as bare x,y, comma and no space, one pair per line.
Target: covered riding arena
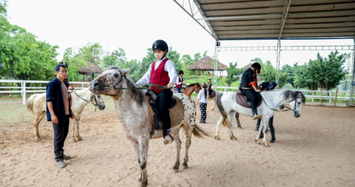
315,149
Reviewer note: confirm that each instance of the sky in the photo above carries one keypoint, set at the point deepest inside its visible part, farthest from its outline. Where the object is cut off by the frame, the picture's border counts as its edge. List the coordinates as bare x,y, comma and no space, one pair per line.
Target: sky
135,24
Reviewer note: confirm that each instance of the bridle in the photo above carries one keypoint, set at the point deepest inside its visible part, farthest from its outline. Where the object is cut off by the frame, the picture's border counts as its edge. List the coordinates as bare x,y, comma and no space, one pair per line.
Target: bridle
120,80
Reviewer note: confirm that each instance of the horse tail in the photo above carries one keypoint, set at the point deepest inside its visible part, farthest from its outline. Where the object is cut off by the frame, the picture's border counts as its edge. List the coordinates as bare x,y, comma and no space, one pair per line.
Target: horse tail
199,132
29,103
225,121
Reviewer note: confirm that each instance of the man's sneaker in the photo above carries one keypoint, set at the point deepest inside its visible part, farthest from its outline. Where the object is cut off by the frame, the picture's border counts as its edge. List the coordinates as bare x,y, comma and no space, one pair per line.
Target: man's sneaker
66,157
60,163
168,139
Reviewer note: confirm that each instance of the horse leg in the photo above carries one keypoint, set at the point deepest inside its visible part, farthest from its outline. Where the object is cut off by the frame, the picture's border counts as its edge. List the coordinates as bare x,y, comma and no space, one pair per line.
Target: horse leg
37,120
265,123
259,133
272,129
77,135
72,124
216,136
188,132
230,119
136,149
143,153
238,122
178,148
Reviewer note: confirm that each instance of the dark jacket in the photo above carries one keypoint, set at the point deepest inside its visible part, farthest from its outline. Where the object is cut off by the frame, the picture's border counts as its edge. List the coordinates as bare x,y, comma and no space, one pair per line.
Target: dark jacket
247,79
54,94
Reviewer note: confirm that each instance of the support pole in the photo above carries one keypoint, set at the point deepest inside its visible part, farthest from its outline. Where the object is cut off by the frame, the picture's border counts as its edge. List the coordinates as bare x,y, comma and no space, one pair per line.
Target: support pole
216,66
23,91
352,84
278,63
336,96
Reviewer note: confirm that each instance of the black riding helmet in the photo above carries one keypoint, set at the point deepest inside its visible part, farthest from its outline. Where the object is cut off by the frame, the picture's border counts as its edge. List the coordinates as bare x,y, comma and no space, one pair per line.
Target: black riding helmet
160,44
256,66
181,72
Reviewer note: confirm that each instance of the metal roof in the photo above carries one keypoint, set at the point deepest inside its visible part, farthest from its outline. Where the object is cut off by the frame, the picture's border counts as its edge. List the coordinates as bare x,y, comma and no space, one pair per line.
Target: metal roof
273,19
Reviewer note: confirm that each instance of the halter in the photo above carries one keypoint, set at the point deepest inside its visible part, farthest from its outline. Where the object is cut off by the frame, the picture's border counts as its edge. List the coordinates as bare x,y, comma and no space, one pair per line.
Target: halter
294,108
120,80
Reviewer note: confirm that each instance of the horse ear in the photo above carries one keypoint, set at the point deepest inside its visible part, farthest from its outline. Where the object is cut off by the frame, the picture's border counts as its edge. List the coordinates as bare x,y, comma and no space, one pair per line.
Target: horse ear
125,71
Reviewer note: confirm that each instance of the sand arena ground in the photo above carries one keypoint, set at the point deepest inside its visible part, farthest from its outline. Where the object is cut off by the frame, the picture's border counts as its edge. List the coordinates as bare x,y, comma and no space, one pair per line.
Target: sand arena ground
316,149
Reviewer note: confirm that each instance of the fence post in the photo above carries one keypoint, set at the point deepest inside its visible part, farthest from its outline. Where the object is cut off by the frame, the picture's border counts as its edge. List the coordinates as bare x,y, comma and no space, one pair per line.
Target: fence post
321,100
330,97
312,97
23,84
335,100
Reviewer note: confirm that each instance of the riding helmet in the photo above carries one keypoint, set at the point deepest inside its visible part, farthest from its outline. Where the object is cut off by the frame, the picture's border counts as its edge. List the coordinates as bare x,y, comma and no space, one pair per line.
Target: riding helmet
160,44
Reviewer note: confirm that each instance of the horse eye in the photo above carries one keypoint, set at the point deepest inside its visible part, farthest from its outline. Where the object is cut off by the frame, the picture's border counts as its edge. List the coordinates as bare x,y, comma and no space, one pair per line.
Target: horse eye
116,75
299,103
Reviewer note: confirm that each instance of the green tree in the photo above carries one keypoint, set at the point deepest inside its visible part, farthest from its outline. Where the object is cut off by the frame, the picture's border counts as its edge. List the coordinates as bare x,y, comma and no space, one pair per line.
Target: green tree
303,79
92,52
328,72
118,57
22,57
234,73
75,61
3,9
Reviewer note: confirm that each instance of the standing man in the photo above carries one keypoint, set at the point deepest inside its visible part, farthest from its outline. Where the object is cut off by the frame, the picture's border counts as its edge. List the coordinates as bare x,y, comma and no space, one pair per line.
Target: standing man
59,112
179,82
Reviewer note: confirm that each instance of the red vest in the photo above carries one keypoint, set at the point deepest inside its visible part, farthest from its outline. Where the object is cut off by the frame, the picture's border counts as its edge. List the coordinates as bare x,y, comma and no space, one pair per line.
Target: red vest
159,76
180,80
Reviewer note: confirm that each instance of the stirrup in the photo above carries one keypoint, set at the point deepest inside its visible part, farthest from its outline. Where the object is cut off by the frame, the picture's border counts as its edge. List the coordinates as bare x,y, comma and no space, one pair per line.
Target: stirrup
168,139
256,116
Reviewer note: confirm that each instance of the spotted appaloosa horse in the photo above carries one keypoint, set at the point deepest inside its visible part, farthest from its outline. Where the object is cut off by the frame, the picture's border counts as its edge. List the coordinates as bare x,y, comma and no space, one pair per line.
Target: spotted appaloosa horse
133,111
37,105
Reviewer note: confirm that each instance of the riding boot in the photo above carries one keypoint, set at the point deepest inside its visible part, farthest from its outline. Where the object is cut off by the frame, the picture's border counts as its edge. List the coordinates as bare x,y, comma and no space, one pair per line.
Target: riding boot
254,111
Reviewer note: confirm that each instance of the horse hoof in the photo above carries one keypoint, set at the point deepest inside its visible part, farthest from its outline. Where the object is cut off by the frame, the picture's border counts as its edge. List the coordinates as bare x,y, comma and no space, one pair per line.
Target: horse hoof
256,140
140,179
175,167
79,139
184,166
233,138
240,127
36,139
217,138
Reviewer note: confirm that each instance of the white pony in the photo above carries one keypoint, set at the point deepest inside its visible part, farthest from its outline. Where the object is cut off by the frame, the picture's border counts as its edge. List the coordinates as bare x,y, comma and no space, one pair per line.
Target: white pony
227,105
135,115
37,105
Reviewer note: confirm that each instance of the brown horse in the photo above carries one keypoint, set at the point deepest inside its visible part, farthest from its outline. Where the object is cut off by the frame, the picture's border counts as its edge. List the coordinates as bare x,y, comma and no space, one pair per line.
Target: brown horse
188,90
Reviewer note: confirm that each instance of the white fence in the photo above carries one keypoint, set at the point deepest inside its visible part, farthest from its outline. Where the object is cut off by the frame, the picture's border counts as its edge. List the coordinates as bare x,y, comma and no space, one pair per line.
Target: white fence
23,89
333,95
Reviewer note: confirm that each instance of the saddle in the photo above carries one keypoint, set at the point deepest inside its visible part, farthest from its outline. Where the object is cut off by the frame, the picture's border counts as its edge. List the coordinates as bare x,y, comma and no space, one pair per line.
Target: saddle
176,112
213,94
242,100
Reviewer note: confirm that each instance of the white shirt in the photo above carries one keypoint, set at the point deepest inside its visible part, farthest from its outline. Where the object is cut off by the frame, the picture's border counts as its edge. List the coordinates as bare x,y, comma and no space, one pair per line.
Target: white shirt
178,80
201,96
169,67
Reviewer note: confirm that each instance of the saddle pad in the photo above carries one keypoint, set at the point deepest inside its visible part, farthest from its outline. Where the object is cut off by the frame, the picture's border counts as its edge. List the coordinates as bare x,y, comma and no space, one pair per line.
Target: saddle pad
242,100
213,94
176,113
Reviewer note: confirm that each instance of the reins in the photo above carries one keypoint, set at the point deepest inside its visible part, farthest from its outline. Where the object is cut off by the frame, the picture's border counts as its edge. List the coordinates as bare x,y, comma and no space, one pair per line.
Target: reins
95,104
288,108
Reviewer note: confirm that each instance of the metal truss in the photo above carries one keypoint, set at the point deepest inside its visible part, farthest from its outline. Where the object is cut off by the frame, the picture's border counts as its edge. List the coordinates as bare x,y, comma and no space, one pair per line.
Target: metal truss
194,10
290,48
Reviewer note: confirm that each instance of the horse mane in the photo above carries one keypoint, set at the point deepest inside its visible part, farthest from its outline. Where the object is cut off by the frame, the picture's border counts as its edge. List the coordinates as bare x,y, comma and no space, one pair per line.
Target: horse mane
137,94
192,85
293,95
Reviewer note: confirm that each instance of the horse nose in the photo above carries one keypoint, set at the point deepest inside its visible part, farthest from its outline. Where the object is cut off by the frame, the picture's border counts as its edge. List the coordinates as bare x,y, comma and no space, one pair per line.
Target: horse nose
101,107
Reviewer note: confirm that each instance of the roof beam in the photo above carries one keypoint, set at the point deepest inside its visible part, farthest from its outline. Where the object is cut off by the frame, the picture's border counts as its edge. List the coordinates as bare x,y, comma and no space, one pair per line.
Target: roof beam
287,7
328,13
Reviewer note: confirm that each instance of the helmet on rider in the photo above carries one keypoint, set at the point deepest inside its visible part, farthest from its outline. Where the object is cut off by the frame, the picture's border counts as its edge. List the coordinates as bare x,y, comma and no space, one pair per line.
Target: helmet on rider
181,72
160,44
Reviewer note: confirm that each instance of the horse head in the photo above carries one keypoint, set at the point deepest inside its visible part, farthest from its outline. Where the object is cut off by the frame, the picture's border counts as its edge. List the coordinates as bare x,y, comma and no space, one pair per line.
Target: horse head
98,100
297,99
197,88
109,81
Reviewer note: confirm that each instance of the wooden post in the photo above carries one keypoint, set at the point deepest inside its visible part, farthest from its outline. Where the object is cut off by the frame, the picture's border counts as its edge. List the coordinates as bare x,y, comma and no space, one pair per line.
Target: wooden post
336,95
313,97
321,100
